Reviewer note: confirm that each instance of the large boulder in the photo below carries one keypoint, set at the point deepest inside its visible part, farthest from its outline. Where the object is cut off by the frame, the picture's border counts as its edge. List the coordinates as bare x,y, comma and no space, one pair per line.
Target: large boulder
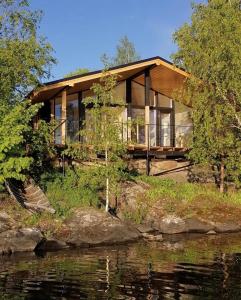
89,227
169,224
19,240
51,245
131,191
226,227
194,225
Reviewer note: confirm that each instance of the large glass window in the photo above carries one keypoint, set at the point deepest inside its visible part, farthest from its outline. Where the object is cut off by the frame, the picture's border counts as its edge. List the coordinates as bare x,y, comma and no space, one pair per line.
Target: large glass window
138,94
138,126
153,127
183,124
72,125
163,101
58,118
120,91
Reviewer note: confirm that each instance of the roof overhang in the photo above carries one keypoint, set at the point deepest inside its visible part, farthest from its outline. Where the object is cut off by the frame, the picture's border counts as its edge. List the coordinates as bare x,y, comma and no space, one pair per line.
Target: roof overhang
166,79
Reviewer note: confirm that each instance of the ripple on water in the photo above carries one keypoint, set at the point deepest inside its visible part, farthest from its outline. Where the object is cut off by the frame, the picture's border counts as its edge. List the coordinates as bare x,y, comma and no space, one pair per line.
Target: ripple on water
204,268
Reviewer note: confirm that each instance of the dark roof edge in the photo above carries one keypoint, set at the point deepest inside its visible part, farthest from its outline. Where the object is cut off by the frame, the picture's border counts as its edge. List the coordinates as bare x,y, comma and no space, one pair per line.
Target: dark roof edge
113,68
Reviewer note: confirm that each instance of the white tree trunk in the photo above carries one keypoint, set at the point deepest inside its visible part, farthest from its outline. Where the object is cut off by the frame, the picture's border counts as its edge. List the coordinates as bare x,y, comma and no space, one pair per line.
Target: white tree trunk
107,183
107,195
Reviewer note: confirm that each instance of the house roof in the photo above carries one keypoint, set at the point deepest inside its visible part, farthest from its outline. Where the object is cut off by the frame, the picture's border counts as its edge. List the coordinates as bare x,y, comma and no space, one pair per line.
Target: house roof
166,78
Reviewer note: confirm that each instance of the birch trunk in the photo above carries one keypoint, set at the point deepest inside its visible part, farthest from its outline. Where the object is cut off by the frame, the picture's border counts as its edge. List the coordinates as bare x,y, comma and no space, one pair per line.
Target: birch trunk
222,175
107,183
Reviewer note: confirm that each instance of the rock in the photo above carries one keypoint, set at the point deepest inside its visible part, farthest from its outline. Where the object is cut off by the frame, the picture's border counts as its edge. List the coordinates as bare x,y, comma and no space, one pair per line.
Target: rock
173,246
170,224
4,217
89,227
144,228
4,227
151,237
158,237
6,222
211,232
51,245
131,191
194,225
20,240
226,227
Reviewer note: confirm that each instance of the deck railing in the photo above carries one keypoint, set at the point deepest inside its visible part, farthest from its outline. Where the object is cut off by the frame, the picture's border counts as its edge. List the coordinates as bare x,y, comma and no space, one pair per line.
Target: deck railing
151,135
156,135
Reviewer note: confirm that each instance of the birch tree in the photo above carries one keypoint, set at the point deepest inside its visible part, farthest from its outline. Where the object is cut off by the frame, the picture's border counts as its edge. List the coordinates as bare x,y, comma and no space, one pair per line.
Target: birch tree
210,49
102,132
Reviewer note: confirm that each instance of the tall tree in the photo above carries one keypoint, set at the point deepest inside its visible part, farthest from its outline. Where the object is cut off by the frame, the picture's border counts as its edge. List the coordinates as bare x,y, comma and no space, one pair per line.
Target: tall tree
209,48
25,57
25,60
125,53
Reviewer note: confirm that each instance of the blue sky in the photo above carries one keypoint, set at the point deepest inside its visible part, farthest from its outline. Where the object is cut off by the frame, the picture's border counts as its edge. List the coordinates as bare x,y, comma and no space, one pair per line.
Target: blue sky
80,31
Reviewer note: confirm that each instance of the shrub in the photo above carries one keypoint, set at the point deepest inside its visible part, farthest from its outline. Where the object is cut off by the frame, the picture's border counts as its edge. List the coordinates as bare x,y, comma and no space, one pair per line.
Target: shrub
78,188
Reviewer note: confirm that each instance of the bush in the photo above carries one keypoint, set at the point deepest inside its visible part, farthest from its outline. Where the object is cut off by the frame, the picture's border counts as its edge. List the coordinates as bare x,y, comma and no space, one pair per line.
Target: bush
78,188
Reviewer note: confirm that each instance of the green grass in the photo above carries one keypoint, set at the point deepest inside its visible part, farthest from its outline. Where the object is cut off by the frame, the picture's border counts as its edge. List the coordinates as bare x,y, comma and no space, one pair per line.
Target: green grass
186,191
185,200
78,188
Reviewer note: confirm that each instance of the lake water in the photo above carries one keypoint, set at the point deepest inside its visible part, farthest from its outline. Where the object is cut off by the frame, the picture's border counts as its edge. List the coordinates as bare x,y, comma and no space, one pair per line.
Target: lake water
196,267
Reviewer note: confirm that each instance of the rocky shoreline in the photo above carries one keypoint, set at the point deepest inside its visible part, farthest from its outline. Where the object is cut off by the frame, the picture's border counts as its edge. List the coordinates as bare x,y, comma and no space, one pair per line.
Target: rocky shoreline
89,227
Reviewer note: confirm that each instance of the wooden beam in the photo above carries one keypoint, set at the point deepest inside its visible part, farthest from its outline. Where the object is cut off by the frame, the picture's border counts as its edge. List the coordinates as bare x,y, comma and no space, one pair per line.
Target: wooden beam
63,115
142,72
96,75
173,125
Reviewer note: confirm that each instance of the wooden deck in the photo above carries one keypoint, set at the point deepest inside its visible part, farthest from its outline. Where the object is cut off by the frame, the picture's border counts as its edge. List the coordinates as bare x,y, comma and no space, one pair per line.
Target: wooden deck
141,150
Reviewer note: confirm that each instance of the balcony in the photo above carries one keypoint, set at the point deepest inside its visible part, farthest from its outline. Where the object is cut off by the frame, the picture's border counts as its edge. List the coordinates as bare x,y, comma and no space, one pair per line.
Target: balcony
138,137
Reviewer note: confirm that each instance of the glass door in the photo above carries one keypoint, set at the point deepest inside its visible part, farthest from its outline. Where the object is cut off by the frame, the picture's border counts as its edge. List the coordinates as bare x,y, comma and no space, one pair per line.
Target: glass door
164,129
153,127
138,126
72,118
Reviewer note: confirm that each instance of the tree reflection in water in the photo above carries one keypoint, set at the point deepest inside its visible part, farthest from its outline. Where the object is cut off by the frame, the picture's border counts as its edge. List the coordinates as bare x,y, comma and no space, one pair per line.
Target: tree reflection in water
203,268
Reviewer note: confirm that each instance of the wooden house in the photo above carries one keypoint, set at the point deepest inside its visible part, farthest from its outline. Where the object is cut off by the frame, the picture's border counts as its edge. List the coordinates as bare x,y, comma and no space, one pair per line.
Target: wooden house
149,89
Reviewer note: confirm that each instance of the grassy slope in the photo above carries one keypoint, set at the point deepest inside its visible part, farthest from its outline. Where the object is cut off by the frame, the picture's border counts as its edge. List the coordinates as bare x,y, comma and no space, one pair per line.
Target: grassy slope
168,197
187,200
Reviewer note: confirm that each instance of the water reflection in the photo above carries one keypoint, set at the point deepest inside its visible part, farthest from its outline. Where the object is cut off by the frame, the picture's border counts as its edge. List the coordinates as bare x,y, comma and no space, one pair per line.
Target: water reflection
203,268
